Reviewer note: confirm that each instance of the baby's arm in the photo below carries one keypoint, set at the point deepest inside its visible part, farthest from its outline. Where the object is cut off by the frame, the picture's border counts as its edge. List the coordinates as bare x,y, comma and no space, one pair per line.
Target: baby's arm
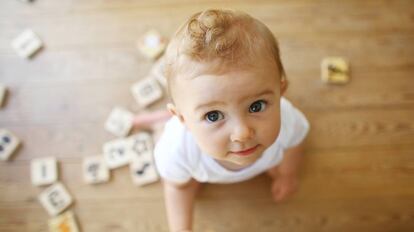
285,175
179,201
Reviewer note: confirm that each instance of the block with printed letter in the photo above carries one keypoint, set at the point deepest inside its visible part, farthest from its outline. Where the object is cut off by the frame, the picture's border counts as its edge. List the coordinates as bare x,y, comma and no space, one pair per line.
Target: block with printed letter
55,199
152,44
335,70
119,122
66,222
27,44
141,146
146,91
143,171
3,92
95,170
8,144
116,153
44,171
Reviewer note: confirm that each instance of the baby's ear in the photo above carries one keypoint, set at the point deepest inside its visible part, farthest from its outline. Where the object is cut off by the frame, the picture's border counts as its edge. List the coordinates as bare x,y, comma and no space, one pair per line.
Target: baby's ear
283,85
173,110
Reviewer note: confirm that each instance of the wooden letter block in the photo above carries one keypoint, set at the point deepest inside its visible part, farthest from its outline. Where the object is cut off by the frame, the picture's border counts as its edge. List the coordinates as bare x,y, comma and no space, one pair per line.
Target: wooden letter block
64,223
143,172
55,199
152,44
27,44
119,122
116,153
146,91
3,91
141,146
8,144
44,171
335,70
95,170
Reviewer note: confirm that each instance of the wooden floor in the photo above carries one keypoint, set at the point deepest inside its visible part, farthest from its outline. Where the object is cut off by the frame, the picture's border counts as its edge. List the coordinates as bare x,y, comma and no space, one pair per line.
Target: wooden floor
359,169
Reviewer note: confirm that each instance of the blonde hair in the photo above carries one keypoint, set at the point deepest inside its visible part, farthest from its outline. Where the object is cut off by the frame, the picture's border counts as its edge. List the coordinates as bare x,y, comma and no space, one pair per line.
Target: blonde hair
222,38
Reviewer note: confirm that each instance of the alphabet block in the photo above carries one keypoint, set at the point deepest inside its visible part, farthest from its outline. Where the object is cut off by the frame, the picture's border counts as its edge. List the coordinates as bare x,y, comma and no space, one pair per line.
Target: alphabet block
27,44
44,171
8,144
119,122
55,199
63,223
335,70
146,91
95,170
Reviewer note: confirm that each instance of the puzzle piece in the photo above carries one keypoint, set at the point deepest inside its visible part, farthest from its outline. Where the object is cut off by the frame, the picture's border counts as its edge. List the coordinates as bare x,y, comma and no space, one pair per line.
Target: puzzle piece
27,44
55,199
146,91
8,144
3,91
116,153
95,170
44,171
141,146
119,122
143,172
64,223
152,44
335,70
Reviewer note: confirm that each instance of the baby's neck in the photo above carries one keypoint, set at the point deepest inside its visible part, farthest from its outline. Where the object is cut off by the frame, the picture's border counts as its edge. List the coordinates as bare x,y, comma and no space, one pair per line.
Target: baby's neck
231,166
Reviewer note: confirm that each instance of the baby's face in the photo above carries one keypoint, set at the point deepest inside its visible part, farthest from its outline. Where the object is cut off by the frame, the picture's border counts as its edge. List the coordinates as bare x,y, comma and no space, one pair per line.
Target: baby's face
233,116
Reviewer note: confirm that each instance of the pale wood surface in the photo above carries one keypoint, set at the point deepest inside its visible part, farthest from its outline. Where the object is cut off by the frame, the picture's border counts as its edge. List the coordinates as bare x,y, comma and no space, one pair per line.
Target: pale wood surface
359,168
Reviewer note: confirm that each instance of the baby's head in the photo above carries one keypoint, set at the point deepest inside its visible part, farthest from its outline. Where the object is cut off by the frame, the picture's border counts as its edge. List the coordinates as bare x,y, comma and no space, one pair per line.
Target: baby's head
225,79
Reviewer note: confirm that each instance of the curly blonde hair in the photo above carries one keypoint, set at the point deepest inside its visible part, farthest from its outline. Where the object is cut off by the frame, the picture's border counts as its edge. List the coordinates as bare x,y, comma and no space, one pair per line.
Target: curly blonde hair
221,39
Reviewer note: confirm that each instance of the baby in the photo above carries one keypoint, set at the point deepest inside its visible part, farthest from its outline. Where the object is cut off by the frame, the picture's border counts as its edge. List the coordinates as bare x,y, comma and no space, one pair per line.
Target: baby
230,123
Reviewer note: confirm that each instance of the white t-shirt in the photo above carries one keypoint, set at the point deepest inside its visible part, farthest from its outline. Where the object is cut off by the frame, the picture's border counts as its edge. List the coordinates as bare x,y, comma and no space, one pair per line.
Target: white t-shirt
178,158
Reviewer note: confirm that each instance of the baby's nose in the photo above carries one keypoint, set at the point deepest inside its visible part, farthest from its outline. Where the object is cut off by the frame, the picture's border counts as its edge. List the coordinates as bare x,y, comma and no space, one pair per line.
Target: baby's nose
242,132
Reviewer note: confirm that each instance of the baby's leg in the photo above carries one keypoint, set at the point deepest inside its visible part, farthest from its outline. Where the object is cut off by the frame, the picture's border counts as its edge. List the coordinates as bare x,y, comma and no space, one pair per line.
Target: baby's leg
179,201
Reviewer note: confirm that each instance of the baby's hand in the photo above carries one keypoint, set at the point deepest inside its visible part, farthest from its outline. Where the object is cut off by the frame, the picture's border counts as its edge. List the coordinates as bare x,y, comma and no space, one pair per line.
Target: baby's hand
284,186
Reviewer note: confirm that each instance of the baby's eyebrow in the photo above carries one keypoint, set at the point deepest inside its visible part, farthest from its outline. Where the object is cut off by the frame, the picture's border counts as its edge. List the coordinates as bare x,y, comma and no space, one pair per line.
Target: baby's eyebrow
212,103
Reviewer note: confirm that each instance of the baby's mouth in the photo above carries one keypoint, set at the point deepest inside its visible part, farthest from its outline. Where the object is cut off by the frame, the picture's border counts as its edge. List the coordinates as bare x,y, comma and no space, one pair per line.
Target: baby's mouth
245,152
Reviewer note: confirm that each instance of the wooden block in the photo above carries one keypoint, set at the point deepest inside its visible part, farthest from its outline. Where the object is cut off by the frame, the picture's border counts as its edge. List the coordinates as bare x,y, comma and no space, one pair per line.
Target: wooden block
335,70
116,153
27,44
143,172
95,170
3,91
55,199
157,71
8,144
119,122
141,146
63,223
152,44
146,92
44,171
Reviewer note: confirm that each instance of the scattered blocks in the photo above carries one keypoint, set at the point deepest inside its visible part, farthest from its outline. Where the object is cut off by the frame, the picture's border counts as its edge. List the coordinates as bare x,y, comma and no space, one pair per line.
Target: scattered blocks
27,44
8,144
152,44
116,153
119,122
55,199
3,91
335,70
142,167
146,91
95,170
63,223
44,171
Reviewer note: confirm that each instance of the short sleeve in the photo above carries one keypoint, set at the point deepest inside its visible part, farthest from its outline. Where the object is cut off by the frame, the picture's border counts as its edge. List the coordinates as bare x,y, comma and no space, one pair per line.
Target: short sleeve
295,126
169,155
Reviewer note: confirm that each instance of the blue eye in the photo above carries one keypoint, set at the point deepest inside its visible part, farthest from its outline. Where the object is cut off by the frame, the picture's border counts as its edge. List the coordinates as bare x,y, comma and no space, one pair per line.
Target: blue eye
257,106
213,116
